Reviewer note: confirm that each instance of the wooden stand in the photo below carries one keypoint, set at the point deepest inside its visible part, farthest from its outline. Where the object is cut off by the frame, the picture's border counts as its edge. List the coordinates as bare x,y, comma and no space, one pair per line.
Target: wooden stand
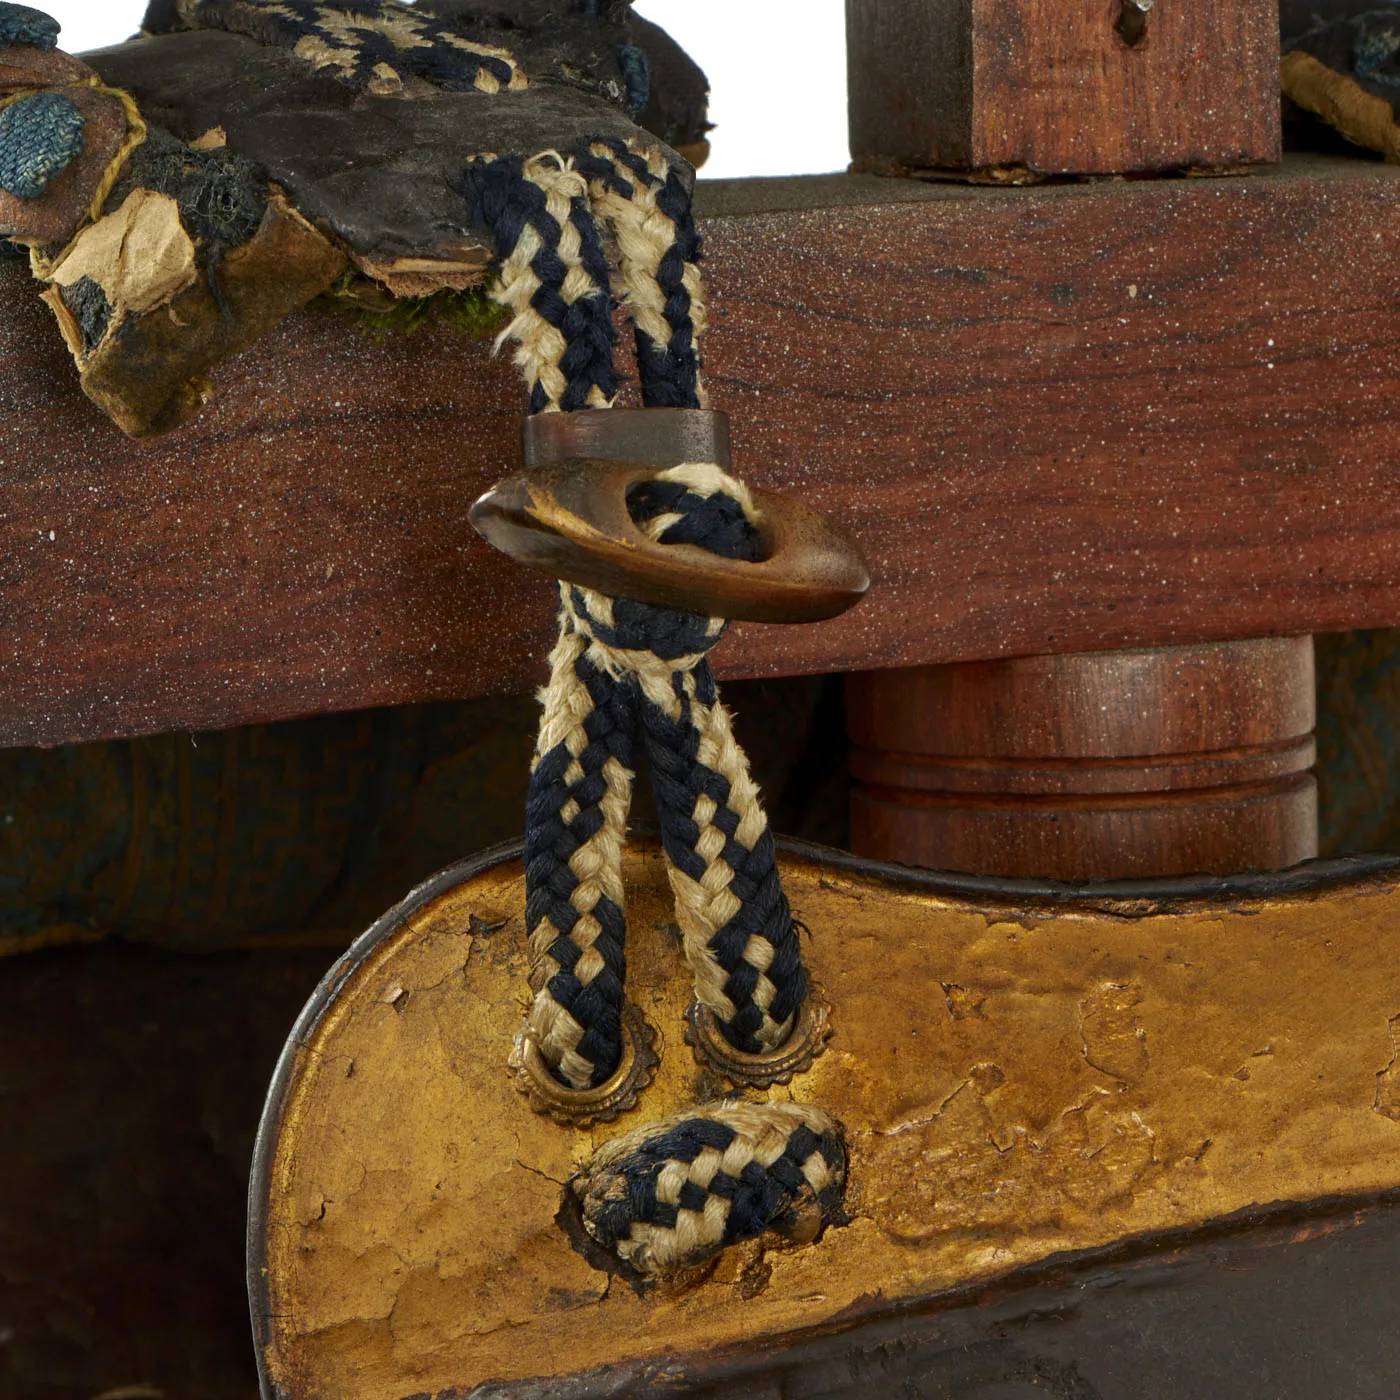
1019,88
1099,764
1090,765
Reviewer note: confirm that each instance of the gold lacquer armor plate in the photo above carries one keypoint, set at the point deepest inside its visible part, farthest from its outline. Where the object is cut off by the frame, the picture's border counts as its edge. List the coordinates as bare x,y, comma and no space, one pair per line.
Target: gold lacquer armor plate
1022,1070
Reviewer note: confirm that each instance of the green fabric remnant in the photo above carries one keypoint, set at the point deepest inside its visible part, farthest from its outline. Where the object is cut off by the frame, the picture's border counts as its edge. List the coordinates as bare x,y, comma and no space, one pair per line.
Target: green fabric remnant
279,831
40,137
1358,741
21,25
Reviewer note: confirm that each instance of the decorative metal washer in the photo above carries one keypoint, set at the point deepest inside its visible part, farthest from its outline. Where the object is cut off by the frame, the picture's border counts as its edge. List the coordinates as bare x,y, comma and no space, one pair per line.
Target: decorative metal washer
794,1056
604,1102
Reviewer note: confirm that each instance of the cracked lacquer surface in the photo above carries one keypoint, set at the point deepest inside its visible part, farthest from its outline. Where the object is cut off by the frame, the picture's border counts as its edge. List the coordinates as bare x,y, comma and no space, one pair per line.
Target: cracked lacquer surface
1015,1083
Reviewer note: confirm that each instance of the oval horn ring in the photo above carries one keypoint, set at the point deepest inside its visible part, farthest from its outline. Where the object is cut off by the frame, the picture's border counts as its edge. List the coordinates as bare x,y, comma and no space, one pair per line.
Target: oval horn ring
570,519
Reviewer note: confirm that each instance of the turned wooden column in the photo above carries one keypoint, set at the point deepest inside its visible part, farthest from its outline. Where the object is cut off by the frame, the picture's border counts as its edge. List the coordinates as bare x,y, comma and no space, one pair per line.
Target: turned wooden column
1090,765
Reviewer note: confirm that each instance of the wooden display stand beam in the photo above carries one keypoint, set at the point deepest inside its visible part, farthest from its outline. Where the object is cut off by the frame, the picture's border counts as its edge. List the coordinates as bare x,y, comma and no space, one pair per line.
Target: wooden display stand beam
1068,418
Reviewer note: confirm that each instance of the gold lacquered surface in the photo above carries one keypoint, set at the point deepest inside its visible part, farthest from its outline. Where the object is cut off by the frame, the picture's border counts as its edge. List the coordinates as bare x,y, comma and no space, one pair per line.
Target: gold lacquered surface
1014,1083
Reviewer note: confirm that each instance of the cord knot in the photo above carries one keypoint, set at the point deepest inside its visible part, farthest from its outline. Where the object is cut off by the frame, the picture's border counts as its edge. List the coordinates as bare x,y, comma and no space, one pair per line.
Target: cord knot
670,1195
696,503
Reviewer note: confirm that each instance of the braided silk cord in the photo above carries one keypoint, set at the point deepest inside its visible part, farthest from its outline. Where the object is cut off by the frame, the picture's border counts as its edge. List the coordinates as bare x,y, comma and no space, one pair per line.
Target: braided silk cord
670,1194
553,278
376,46
648,209
620,662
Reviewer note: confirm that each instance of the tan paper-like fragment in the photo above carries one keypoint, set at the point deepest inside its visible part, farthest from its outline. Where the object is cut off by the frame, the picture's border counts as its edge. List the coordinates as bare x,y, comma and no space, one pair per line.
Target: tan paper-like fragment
421,277
153,376
140,255
1341,102
67,322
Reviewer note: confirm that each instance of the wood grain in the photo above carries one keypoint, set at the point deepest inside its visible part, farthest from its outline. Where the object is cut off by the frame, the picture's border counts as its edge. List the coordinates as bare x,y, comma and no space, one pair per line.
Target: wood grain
1047,87
1108,764
1017,1081
1058,419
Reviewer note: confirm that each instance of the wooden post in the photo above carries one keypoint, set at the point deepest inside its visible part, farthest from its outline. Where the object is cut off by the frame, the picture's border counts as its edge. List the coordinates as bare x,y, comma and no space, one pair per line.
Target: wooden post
1113,764
1018,88
1097,764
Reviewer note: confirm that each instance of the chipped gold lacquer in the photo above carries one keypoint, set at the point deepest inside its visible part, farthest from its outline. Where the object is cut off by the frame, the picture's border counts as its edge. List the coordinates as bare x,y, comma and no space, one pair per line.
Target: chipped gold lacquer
1015,1083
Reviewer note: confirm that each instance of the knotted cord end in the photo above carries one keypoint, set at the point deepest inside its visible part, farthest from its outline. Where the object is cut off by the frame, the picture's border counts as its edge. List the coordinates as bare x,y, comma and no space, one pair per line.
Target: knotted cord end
669,1196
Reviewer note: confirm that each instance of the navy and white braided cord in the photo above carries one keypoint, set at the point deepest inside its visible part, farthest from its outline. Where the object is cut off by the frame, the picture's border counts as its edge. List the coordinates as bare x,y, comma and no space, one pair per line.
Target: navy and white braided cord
621,664
669,1195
